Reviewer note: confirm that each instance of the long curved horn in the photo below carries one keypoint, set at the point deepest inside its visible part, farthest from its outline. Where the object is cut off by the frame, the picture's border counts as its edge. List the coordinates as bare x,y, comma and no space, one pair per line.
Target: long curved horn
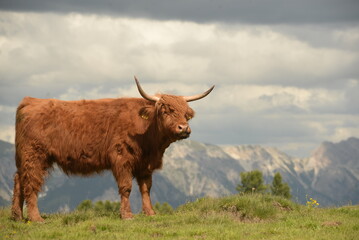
198,96
145,95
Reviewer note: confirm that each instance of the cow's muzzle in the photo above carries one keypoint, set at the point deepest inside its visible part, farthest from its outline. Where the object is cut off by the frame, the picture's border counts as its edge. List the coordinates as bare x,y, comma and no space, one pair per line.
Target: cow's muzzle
183,131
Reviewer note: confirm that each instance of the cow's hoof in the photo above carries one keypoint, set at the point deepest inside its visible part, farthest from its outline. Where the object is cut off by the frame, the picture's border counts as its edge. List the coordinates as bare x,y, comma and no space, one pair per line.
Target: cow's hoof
16,216
149,212
36,219
126,216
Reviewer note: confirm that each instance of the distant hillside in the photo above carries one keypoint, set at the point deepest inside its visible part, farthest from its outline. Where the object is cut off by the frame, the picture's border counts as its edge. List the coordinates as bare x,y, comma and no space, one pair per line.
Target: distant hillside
7,169
192,169
333,171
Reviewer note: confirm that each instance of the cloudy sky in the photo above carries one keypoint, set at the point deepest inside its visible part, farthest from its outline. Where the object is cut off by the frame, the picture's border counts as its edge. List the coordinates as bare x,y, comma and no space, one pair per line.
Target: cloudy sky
286,71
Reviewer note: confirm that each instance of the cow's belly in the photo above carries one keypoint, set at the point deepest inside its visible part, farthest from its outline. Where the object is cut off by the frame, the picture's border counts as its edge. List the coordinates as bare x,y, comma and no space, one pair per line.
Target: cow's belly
83,165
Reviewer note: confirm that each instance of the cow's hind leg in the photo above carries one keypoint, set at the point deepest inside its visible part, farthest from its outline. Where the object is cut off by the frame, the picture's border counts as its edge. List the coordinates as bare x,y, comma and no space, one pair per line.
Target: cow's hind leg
34,170
18,199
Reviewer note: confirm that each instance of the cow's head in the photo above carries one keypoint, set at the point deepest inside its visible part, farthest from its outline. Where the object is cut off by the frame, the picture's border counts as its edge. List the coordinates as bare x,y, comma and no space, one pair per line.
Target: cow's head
172,112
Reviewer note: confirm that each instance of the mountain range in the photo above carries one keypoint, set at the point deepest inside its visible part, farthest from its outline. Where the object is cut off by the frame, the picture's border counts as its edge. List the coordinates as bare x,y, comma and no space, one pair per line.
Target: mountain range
192,170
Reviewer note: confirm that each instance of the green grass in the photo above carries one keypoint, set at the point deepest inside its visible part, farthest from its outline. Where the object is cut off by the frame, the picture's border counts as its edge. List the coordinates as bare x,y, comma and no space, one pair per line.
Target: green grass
234,217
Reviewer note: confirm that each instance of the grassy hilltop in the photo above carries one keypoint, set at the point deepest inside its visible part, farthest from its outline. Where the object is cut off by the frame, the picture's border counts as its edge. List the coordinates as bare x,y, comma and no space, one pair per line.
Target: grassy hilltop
234,217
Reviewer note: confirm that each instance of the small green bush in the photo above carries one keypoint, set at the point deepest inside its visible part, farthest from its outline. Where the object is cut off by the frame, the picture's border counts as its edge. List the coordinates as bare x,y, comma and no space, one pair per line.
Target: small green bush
85,205
244,206
99,207
164,208
251,182
279,188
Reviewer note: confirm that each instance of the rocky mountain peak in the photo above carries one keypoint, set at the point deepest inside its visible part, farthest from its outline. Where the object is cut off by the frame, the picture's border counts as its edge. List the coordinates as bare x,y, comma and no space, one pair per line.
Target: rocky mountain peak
345,152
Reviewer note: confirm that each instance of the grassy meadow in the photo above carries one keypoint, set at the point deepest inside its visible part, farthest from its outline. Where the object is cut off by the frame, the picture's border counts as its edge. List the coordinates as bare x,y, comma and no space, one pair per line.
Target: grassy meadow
252,216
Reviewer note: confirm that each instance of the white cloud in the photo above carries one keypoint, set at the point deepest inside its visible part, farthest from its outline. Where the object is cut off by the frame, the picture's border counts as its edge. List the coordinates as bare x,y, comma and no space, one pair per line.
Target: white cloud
131,91
75,94
7,133
273,98
6,109
342,133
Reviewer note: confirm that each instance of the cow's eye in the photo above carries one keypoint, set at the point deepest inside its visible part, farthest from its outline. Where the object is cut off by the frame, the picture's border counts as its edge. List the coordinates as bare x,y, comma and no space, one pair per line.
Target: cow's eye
188,118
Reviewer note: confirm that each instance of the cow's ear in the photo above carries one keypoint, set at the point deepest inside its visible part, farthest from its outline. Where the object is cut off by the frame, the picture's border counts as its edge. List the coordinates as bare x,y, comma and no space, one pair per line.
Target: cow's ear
145,113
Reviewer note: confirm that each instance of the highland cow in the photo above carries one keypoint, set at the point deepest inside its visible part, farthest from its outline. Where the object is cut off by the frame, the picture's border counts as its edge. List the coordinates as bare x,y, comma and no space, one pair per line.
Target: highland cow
125,135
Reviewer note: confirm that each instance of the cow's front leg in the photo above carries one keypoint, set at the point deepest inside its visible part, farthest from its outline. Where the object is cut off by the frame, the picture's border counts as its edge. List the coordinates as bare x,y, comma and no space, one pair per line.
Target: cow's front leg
145,184
124,182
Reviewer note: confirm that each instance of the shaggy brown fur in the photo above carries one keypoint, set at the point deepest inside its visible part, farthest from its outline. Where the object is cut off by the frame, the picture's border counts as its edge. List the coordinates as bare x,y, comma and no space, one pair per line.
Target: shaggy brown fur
126,135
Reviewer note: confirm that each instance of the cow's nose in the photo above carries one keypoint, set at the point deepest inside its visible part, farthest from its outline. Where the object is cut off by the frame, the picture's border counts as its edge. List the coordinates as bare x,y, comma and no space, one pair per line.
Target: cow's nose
184,128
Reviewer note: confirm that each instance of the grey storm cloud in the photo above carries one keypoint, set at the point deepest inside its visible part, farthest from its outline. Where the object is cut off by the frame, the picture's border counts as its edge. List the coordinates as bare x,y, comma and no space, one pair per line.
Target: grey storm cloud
246,11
